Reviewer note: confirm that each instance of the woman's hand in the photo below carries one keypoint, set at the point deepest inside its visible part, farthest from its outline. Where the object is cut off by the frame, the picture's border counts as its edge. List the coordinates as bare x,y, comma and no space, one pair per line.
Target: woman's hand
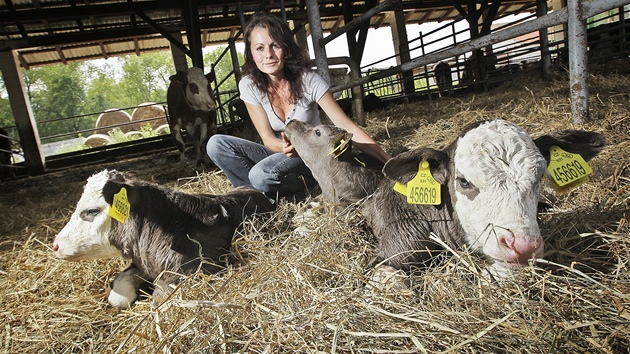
287,148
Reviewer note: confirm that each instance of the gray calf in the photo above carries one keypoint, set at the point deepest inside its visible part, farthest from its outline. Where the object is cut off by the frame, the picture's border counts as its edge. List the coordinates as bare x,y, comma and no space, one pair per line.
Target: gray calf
327,151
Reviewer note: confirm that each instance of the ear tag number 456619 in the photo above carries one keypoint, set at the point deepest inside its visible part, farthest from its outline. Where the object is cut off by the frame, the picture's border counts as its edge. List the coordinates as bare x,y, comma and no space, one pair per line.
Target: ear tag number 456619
422,189
120,207
567,170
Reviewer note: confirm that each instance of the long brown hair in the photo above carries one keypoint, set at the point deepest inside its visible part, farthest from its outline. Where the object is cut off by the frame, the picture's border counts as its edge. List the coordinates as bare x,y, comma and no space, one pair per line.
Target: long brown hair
295,63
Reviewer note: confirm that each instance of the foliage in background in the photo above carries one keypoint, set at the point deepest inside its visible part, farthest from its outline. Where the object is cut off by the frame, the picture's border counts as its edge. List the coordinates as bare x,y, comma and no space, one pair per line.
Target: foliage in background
223,69
69,98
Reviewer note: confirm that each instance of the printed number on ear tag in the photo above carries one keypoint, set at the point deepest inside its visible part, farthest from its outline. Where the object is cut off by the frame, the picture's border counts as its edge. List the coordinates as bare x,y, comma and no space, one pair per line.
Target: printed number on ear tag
120,207
422,189
567,170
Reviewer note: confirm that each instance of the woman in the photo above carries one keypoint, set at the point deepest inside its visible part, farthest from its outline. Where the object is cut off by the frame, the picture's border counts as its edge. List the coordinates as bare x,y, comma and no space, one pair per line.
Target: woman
278,86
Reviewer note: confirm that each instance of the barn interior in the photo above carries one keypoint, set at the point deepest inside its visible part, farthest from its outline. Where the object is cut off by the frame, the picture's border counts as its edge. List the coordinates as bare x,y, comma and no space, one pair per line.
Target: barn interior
36,33
310,291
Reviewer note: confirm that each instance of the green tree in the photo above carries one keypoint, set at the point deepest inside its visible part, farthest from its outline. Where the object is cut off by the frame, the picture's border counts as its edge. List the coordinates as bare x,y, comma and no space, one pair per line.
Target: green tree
145,78
102,90
57,92
223,69
6,116
69,98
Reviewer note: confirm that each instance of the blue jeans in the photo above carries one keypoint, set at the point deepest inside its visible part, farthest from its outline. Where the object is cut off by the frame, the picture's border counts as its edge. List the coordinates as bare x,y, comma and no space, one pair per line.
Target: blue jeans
246,163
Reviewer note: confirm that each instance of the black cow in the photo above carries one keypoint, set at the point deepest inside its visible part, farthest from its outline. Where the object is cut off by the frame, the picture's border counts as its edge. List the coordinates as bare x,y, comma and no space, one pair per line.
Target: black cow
443,78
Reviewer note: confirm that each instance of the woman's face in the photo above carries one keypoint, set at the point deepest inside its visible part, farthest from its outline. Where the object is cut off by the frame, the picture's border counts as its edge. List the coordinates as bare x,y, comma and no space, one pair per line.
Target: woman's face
267,53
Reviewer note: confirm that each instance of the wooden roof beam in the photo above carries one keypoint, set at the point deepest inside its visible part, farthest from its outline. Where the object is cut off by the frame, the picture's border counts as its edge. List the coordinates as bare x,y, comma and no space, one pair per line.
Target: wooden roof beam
62,56
103,50
337,24
446,15
20,26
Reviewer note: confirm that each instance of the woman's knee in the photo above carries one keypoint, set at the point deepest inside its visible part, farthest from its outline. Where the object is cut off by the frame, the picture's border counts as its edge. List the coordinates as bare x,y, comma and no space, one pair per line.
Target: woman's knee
216,144
261,180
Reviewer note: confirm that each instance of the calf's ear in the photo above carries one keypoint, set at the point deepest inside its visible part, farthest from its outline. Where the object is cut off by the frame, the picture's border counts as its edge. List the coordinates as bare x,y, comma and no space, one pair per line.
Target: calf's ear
587,144
178,78
210,76
404,167
116,181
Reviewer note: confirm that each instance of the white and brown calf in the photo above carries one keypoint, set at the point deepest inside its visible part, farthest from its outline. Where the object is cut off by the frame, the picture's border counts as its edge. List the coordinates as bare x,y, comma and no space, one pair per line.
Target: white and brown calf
166,232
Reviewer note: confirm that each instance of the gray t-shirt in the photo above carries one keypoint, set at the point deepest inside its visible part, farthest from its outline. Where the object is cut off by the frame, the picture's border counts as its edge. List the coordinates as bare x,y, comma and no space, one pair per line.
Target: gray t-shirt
304,110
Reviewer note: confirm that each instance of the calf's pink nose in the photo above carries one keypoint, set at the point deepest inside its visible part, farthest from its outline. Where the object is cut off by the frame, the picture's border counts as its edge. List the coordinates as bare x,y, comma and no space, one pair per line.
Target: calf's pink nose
519,249
55,247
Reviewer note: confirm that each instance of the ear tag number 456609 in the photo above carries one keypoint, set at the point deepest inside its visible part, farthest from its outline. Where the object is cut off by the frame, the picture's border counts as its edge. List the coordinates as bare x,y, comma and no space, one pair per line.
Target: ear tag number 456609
567,170
422,189
120,207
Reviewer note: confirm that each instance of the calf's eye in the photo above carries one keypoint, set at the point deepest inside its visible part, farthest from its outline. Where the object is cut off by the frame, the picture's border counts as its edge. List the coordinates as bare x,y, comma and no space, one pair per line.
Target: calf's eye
90,213
463,183
93,211
317,132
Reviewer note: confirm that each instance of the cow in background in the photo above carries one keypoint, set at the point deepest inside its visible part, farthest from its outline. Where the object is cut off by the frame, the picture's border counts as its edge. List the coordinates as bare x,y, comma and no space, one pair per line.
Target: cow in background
443,78
191,107
608,40
371,103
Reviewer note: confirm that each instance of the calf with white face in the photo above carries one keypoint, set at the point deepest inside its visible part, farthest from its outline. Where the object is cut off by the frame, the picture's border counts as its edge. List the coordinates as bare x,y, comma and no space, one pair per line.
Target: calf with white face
490,181
162,232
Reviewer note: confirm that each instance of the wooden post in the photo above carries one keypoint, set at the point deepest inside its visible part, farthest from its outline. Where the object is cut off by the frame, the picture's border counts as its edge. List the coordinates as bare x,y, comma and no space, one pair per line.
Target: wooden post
22,113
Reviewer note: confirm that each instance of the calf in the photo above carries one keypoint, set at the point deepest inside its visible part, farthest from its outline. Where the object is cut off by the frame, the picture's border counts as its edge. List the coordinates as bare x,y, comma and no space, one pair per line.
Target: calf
191,106
327,151
371,103
443,78
489,181
157,229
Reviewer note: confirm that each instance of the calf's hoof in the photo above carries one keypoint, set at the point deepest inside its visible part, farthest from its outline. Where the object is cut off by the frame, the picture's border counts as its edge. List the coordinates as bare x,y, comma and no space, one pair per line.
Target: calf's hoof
384,278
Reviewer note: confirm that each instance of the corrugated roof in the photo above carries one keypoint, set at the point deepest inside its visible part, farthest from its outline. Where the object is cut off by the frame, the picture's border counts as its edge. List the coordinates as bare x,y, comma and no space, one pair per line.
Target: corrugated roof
58,31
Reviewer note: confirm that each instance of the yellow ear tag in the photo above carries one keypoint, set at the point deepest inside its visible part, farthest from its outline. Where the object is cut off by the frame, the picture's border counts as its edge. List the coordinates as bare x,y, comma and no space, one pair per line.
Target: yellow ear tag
341,147
567,170
400,188
422,189
120,207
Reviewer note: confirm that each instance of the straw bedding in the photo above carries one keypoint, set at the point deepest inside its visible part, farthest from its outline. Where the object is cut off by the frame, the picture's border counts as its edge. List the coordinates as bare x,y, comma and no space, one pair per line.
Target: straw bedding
306,292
